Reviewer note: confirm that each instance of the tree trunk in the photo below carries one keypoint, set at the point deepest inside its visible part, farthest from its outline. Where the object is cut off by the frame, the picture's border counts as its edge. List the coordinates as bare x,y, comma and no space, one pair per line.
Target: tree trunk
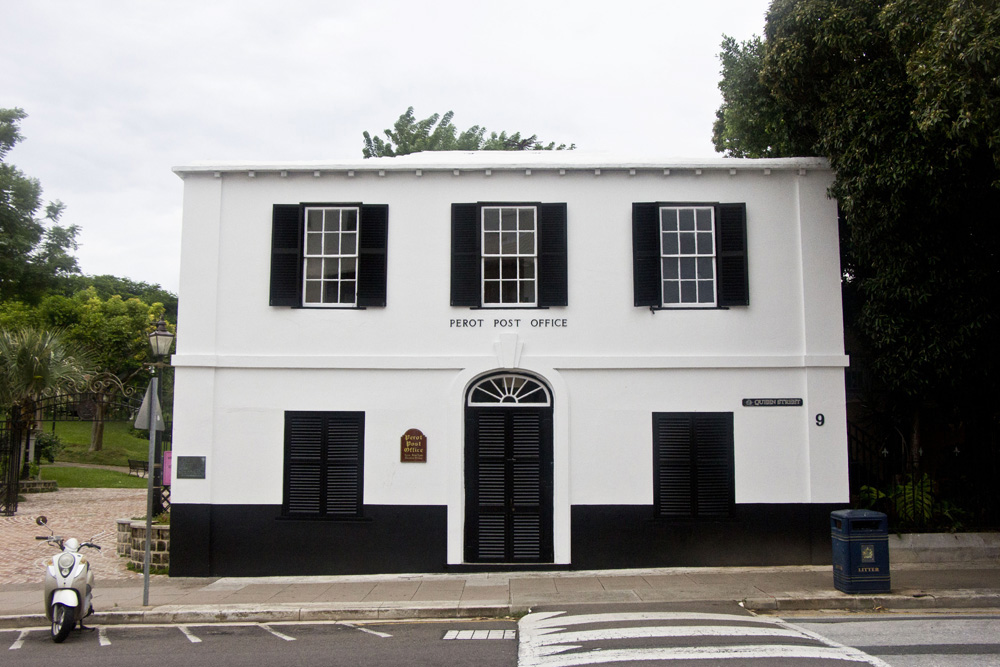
97,428
915,441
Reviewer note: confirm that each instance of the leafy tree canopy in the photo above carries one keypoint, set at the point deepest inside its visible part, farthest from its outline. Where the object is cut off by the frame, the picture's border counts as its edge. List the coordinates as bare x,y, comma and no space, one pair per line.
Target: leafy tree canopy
903,97
35,252
438,133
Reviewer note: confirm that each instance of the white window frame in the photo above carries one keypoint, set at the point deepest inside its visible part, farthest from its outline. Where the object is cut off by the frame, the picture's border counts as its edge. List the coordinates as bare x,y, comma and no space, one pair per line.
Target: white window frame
326,255
698,251
518,256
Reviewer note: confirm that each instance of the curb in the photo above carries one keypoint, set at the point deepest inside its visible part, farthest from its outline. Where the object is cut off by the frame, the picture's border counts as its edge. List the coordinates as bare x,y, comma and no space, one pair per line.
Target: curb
203,615
887,602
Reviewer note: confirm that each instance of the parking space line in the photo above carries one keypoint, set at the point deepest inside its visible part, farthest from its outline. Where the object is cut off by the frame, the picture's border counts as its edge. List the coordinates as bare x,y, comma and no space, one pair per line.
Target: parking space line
371,632
188,634
276,633
102,636
19,642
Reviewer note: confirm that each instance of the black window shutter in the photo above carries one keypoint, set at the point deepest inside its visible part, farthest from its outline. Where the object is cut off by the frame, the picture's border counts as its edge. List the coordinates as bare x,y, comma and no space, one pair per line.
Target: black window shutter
552,267
646,288
731,255
372,255
466,256
674,483
286,255
324,464
303,463
693,460
713,457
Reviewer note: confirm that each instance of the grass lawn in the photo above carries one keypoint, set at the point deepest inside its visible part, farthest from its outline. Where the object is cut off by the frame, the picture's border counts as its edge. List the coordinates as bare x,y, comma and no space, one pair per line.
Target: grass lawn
92,478
121,443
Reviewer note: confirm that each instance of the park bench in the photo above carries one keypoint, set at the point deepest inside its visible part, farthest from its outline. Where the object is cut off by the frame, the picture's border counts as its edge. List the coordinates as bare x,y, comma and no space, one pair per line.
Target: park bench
139,468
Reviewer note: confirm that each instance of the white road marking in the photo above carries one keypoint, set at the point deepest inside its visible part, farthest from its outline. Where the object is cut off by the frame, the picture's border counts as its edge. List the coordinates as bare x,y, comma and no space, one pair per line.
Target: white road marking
870,659
545,642
480,634
102,636
371,632
768,651
663,631
188,634
19,642
276,633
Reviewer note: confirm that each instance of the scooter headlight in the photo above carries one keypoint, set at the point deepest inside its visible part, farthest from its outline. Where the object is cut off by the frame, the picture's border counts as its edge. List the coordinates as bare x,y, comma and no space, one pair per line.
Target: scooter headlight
66,562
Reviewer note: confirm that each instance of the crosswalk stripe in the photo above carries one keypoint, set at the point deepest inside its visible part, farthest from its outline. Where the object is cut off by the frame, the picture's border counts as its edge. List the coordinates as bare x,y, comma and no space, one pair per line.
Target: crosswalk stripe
549,619
546,643
664,631
765,651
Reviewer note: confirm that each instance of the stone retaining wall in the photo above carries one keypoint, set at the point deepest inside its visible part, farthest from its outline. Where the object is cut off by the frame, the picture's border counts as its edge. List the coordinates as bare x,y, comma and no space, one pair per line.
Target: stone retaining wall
132,543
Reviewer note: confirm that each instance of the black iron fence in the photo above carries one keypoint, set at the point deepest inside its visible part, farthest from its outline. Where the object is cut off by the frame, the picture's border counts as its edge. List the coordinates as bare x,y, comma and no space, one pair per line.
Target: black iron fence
12,434
949,487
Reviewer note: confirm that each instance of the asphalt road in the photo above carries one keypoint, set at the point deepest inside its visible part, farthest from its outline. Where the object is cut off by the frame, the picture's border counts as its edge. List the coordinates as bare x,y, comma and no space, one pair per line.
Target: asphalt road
548,637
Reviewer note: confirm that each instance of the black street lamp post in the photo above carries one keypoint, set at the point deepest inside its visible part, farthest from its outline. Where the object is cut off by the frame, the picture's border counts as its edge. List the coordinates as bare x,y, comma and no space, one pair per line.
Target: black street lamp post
160,341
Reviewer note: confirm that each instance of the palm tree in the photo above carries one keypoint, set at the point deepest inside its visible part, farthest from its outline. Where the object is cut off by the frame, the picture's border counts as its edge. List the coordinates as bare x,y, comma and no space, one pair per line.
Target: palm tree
35,363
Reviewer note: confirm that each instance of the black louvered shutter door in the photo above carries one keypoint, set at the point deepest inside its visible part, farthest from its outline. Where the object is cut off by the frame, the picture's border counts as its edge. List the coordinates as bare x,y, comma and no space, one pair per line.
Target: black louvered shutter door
674,483
372,245
713,442
731,255
509,485
303,463
646,281
552,266
286,255
466,256
344,459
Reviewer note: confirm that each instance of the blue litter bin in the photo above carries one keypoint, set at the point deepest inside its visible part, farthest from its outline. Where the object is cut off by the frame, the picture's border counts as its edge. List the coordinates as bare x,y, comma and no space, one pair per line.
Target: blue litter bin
860,551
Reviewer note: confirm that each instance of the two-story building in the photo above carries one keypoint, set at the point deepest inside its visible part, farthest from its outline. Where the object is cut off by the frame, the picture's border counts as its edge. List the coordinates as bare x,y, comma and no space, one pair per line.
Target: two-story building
507,359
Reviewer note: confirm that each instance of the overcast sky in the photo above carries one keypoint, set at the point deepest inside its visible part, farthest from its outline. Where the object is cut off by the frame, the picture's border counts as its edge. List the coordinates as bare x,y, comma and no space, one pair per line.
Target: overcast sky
118,92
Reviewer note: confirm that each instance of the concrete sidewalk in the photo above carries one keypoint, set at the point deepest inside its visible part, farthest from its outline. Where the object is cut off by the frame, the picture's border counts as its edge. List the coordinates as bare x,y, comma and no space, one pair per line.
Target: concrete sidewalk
917,586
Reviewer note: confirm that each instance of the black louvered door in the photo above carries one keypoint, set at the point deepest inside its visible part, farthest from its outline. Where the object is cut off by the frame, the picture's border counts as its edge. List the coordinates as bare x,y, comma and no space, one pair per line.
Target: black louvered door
508,473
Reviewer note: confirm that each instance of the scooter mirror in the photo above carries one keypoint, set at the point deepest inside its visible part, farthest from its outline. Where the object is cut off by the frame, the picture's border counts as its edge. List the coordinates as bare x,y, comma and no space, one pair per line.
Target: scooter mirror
41,521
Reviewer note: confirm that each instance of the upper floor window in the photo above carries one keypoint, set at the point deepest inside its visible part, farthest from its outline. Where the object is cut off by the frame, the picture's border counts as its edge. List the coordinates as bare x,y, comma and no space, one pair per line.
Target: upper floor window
689,255
328,255
508,255
331,257
687,252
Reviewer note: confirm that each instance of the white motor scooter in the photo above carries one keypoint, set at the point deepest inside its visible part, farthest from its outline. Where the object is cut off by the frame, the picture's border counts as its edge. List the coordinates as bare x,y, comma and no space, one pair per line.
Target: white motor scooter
69,584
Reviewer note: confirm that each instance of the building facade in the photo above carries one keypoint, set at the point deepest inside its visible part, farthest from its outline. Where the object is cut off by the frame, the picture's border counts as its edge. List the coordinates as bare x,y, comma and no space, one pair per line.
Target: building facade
449,361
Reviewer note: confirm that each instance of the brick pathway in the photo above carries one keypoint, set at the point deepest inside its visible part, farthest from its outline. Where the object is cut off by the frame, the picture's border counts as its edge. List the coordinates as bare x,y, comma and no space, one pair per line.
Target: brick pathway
86,514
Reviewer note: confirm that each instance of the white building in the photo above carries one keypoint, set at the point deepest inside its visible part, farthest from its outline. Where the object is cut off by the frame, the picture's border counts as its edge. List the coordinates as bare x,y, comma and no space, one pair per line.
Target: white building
600,362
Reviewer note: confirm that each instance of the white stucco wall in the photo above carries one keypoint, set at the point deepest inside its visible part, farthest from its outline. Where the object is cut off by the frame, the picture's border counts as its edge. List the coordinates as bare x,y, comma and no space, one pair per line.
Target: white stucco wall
241,363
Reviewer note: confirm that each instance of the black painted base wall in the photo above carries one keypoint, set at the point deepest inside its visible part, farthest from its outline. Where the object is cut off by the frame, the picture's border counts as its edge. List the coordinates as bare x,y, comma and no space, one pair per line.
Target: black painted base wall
618,536
252,540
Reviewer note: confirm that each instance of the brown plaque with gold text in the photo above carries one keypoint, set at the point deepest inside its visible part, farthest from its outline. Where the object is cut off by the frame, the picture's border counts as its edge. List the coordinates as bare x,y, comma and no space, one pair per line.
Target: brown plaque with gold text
413,447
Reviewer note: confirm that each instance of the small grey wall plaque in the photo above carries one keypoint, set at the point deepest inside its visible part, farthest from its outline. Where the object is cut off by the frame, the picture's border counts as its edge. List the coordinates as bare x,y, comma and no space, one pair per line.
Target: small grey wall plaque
190,467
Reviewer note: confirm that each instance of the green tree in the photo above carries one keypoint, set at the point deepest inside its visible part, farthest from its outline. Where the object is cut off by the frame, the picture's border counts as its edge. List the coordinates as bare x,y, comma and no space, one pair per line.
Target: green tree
438,133
34,252
903,97
107,286
115,332
35,363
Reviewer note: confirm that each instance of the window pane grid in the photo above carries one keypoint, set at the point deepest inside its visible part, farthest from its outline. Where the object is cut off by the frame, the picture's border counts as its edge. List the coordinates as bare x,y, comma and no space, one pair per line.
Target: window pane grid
330,257
509,255
687,255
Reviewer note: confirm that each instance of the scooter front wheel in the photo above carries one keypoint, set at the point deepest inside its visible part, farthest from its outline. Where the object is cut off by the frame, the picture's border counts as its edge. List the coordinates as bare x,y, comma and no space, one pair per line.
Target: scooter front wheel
62,622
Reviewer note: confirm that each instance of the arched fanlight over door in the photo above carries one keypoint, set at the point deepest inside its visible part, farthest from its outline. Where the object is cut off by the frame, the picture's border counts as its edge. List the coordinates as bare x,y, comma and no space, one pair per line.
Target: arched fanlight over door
509,389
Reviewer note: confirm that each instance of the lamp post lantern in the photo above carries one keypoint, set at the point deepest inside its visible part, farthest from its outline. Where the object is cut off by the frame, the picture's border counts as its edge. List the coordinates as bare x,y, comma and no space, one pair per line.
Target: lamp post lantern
160,341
